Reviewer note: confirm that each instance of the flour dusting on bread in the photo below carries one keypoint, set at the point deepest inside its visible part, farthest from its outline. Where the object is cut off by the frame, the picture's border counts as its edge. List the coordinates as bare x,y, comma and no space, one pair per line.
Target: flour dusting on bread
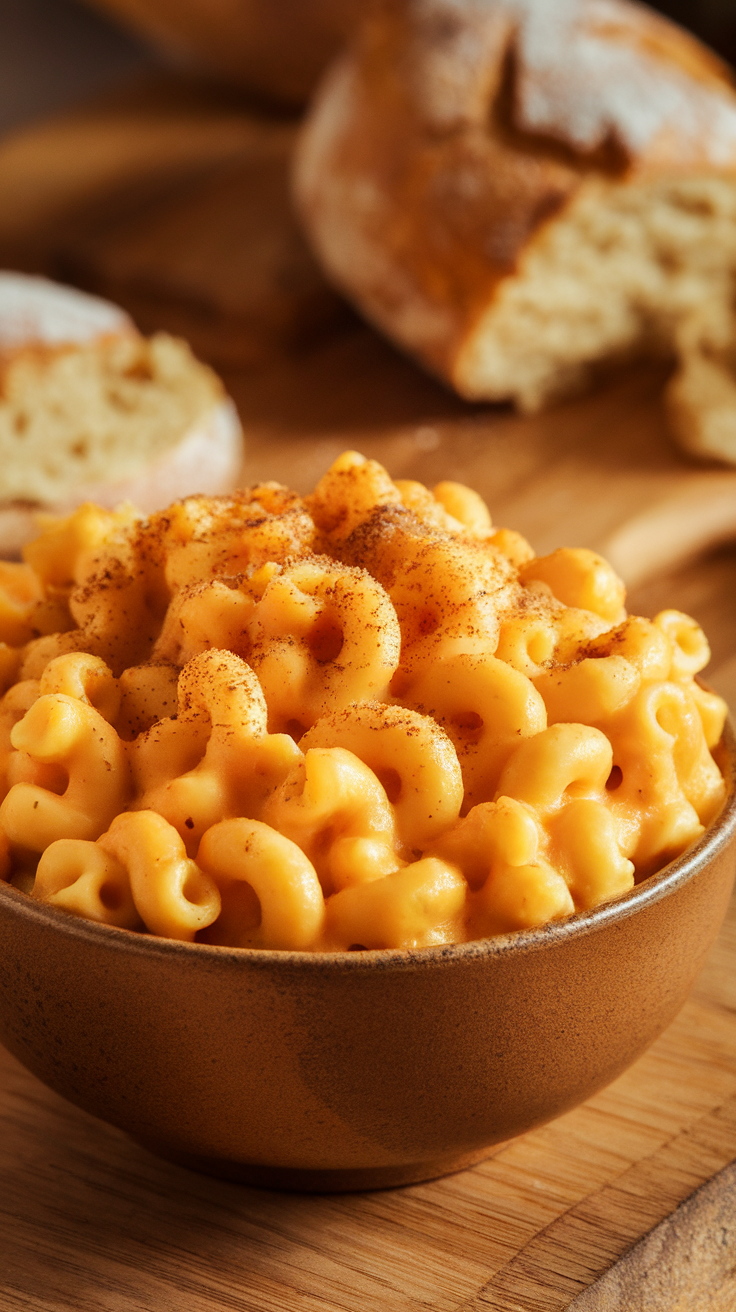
38,310
518,190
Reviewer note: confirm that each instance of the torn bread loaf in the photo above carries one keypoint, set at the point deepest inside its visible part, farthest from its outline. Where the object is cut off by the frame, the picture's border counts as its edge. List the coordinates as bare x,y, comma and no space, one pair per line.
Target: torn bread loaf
90,410
518,190
700,398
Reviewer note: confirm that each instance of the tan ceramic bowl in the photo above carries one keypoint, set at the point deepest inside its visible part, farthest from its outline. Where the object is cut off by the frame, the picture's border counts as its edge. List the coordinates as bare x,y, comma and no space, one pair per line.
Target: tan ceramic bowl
356,1070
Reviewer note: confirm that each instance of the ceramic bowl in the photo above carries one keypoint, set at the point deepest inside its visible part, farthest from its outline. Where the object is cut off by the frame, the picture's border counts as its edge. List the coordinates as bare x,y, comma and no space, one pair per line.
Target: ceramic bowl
355,1070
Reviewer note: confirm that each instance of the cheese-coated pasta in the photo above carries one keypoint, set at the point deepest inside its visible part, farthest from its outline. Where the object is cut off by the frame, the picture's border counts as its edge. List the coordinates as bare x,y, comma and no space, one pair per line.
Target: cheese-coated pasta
21,592
712,711
527,642
363,719
650,793
80,876
201,616
584,841
464,505
201,537
442,586
347,495
77,674
581,579
61,553
284,881
323,636
591,691
485,706
566,760
417,907
643,644
336,809
172,896
62,731
218,696
148,695
412,757
690,650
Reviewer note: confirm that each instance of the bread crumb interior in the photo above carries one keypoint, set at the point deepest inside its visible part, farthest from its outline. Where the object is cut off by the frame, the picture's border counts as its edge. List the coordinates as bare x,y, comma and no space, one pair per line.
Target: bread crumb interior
616,275
95,413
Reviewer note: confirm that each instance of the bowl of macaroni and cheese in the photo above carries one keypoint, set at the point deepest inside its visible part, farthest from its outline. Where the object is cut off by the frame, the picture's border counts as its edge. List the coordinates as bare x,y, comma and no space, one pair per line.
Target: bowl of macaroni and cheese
342,837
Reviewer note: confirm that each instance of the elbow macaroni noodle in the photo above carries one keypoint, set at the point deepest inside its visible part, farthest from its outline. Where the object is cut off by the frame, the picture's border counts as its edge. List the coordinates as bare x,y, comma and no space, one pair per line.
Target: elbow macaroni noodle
363,719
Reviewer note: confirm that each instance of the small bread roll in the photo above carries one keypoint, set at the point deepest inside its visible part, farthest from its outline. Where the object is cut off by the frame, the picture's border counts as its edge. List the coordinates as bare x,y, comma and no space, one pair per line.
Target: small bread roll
517,190
92,411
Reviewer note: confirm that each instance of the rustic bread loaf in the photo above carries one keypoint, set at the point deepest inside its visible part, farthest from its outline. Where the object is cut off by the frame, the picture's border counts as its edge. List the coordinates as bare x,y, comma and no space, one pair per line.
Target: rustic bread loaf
517,190
90,410
700,397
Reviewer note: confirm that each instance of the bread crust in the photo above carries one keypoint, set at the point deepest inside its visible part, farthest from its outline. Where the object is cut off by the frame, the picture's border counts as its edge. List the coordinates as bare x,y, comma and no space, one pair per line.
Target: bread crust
36,310
446,139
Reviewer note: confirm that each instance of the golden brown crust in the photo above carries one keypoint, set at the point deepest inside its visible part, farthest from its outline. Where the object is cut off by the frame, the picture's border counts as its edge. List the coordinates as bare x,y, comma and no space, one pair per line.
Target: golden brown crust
448,136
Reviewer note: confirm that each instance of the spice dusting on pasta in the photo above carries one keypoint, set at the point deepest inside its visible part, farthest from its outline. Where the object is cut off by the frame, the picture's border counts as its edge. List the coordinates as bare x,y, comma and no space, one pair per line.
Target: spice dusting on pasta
362,719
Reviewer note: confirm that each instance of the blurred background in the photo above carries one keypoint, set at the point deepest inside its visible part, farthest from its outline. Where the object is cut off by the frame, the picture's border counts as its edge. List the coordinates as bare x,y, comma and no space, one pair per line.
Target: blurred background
144,155
144,160
54,53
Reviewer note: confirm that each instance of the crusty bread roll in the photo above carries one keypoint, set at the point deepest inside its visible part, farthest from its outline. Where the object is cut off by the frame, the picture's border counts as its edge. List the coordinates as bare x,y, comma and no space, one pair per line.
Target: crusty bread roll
517,190
92,411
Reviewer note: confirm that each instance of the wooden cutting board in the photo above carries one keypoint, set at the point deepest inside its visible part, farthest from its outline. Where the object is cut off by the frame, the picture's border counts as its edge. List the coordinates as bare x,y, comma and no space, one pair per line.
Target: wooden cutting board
87,1219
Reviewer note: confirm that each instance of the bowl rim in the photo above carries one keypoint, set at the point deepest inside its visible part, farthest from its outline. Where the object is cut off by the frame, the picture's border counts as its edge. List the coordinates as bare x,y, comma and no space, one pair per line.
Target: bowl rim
651,890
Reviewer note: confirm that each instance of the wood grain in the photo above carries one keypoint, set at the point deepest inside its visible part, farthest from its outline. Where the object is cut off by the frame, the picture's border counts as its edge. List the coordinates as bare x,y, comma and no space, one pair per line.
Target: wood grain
88,1220
687,1260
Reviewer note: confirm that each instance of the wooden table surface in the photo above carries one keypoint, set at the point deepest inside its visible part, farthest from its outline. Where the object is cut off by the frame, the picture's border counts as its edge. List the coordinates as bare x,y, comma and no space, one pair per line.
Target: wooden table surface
88,1220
